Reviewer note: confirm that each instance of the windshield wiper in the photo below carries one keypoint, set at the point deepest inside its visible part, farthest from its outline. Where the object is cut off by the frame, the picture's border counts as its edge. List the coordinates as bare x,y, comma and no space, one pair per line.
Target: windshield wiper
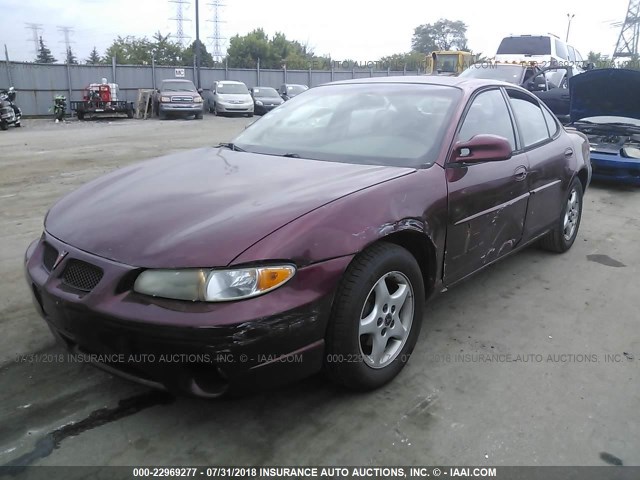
607,126
231,146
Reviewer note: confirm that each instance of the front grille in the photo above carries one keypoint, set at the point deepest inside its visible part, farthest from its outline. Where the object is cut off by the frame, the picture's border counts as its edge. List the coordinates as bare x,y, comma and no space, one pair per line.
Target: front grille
182,99
81,275
50,255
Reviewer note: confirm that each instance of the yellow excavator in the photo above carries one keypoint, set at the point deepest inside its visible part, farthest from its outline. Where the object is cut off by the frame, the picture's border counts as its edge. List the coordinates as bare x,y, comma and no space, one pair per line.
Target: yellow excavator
448,62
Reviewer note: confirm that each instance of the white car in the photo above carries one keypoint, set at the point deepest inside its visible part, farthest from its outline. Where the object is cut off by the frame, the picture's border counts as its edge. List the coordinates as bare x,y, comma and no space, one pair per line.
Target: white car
544,50
231,97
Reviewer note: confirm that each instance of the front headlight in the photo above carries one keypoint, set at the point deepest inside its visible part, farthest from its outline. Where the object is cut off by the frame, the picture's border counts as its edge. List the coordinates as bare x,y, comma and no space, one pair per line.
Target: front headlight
259,103
165,99
205,285
197,99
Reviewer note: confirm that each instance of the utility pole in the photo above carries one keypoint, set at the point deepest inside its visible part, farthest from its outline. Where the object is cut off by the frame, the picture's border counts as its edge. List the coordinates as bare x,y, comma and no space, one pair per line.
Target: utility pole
179,19
218,52
66,31
197,46
35,28
569,17
627,44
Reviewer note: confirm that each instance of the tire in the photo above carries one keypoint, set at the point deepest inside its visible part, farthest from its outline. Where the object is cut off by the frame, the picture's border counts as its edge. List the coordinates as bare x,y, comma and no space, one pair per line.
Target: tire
80,114
4,126
198,116
162,115
351,359
17,124
250,115
559,239
130,113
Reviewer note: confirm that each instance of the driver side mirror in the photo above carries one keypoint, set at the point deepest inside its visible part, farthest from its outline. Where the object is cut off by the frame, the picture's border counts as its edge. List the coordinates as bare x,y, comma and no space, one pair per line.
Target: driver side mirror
482,148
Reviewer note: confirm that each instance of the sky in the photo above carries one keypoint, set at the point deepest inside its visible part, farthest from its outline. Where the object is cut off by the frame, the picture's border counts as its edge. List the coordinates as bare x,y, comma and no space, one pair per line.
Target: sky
362,30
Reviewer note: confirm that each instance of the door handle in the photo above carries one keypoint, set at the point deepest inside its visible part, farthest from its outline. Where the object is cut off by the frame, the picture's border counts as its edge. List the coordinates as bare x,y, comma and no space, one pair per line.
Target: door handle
568,152
521,173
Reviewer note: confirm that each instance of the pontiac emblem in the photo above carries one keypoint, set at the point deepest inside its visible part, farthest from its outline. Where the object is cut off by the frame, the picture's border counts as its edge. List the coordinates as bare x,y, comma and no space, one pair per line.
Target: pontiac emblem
59,259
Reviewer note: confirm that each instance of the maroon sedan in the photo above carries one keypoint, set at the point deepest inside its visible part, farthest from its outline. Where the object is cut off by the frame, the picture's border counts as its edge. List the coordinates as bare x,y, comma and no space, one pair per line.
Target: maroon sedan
311,242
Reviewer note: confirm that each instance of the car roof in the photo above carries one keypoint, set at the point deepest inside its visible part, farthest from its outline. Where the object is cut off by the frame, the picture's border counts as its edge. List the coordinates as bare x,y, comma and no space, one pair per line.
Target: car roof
467,84
180,80
227,82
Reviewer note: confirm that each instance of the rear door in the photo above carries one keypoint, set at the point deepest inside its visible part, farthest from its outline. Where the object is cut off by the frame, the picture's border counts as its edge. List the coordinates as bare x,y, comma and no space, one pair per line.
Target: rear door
548,152
487,201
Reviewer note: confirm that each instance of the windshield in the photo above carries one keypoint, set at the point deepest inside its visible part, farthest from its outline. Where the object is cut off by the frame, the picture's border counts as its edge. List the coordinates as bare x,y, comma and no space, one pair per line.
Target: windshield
232,88
447,62
525,46
178,87
379,124
504,73
267,92
296,89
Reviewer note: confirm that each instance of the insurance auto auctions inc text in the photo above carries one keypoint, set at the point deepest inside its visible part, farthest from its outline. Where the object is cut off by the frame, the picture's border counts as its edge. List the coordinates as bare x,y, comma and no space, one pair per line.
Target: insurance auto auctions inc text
375,472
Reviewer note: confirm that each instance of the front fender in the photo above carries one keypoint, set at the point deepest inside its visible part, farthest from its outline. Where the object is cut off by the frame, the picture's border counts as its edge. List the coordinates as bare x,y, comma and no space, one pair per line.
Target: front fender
415,202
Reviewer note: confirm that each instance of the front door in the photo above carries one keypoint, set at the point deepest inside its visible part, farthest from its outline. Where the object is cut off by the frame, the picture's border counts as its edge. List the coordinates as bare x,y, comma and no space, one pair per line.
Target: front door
487,201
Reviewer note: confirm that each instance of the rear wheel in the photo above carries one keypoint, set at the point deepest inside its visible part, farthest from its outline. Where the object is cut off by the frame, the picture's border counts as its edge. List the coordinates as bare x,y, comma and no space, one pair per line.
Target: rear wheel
376,318
198,116
80,114
564,233
3,126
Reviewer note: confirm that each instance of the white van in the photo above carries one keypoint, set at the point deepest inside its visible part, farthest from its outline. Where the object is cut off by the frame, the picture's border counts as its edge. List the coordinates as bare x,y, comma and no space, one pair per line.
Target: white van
545,50
231,97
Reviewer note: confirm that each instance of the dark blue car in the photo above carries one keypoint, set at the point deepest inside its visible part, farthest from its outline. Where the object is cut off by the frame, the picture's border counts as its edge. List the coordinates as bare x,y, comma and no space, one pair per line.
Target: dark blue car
605,105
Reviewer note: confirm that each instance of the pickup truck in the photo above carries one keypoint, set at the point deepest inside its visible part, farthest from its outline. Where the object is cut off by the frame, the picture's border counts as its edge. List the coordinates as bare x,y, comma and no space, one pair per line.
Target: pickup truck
177,97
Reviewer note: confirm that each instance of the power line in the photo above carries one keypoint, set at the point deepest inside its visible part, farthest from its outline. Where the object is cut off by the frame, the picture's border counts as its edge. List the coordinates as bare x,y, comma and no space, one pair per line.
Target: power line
179,19
35,28
217,39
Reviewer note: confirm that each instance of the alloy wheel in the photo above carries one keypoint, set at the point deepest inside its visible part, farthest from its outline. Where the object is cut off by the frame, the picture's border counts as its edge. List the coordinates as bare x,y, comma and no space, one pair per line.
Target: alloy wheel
386,318
571,215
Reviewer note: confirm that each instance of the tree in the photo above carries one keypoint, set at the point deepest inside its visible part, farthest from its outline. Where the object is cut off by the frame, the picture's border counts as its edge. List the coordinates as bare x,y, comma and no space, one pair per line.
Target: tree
410,61
44,54
276,52
188,54
71,58
94,57
130,50
441,35
166,52
245,51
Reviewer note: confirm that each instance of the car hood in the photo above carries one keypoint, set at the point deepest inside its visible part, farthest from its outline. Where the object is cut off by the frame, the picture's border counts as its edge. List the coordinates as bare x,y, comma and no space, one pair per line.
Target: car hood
605,92
200,208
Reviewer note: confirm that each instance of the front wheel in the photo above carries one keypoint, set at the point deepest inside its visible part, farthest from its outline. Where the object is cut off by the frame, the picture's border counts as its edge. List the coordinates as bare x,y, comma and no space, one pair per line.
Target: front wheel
565,231
3,126
376,318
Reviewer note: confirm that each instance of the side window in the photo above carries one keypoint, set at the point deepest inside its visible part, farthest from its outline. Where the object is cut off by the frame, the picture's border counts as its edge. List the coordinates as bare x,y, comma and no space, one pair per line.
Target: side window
531,121
552,125
579,57
561,50
488,114
572,53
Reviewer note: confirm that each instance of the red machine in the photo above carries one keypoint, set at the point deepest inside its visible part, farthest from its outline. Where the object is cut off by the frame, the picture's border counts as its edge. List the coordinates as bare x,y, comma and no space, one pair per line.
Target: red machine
101,99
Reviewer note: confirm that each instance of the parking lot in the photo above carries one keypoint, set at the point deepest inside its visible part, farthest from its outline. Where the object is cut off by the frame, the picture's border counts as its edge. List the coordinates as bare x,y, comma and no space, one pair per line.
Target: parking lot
534,361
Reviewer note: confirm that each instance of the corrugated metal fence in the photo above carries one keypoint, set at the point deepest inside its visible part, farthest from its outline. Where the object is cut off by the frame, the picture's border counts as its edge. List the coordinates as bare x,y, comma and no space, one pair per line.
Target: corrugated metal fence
37,84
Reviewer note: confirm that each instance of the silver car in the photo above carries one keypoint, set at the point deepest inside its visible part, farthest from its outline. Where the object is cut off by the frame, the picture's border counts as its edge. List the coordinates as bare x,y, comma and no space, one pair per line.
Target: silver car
231,97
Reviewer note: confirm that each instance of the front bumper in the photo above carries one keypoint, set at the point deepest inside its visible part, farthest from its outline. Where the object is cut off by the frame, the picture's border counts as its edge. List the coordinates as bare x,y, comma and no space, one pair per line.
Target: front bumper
262,109
615,168
234,108
198,348
181,108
